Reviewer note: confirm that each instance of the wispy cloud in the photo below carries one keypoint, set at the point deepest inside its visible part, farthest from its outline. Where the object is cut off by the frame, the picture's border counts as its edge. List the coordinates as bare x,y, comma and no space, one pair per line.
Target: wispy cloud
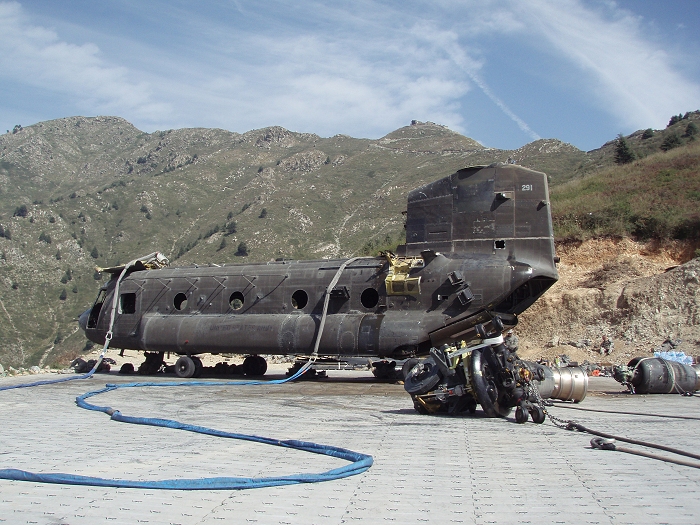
449,42
322,67
327,82
36,56
631,77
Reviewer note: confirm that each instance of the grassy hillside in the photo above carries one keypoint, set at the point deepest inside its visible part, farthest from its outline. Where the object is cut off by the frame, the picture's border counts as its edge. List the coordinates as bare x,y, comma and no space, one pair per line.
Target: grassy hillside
80,192
655,197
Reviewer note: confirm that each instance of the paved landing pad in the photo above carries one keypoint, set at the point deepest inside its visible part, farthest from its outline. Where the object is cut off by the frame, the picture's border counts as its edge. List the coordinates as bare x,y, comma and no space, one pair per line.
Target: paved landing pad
427,469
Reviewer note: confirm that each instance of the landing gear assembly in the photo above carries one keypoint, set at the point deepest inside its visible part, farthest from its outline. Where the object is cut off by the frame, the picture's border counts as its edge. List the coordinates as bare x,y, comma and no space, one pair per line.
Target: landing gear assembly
457,378
191,366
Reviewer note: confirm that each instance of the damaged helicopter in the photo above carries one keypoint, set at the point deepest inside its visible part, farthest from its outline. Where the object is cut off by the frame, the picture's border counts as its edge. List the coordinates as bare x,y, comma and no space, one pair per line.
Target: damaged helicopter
479,251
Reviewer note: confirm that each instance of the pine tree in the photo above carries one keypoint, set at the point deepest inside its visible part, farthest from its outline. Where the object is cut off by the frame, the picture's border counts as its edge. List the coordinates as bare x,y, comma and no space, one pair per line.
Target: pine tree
242,250
623,152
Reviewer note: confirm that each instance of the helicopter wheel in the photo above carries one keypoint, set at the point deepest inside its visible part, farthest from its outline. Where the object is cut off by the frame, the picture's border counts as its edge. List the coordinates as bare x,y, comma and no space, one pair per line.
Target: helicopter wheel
408,365
422,378
254,365
486,389
198,366
520,415
185,367
538,415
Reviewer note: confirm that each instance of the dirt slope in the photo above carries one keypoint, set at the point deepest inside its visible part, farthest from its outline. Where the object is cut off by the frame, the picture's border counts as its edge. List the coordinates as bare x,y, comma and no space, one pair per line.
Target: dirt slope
636,293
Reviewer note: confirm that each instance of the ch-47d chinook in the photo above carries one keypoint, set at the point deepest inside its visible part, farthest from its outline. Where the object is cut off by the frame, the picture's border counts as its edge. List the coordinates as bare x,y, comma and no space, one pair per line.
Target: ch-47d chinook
479,251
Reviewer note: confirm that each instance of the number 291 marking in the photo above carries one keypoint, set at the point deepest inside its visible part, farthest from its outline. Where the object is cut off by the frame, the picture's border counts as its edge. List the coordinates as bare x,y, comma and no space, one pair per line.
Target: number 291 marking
526,187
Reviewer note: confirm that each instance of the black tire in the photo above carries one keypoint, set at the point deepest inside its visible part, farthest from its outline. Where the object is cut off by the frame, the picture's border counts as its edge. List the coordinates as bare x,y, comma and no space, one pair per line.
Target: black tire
254,365
127,368
198,366
422,377
486,388
520,415
537,415
184,367
408,365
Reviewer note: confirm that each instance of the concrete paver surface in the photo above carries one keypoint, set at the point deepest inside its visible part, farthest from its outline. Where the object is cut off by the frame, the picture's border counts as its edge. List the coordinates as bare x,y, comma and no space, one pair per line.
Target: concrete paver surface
427,469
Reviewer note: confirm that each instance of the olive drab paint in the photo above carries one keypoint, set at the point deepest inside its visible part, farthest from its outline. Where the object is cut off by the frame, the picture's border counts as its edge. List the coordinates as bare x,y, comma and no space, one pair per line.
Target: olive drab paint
479,244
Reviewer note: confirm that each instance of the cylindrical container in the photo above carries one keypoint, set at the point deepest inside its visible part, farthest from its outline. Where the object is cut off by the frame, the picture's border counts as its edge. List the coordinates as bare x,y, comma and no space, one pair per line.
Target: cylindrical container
567,384
654,375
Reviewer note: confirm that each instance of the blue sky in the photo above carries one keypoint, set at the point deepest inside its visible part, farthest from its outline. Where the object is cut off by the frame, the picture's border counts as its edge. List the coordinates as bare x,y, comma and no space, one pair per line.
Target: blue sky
503,72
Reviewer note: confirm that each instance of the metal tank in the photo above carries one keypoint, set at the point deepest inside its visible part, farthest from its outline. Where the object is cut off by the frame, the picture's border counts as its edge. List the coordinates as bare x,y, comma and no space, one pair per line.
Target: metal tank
655,375
566,384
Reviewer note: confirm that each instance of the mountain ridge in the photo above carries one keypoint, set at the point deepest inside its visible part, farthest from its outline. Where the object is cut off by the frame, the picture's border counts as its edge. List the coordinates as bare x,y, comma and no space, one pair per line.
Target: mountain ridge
81,192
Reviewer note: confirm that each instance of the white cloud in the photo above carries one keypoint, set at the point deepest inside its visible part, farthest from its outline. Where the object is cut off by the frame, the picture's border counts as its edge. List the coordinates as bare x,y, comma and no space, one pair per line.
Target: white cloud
365,78
36,56
315,66
631,77
354,84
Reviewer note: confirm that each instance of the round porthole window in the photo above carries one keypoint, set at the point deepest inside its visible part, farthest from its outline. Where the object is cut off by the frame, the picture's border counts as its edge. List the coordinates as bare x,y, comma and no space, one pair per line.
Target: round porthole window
180,301
369,298
299,299
236,301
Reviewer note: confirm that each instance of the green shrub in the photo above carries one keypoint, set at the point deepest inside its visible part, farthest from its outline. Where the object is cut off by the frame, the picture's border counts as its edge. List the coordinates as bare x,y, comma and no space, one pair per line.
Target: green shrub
670,142
242,250
674,119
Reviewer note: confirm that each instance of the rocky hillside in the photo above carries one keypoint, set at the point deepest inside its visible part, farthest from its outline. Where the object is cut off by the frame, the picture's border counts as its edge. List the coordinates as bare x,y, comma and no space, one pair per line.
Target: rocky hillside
80,192
636,293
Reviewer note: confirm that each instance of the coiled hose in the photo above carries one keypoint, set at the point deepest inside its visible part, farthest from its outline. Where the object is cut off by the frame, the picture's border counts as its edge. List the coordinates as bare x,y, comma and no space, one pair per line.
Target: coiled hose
359,462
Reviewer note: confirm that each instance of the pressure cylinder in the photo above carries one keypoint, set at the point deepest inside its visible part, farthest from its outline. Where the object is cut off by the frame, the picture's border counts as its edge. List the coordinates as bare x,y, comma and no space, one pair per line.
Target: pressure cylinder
654,375
566,384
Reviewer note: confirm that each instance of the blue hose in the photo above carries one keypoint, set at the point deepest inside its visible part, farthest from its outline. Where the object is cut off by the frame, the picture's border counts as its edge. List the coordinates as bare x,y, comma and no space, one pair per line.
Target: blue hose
359,462
48,381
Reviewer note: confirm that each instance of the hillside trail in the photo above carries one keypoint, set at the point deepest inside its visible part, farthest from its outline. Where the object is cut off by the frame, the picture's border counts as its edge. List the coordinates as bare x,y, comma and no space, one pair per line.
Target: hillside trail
636,293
